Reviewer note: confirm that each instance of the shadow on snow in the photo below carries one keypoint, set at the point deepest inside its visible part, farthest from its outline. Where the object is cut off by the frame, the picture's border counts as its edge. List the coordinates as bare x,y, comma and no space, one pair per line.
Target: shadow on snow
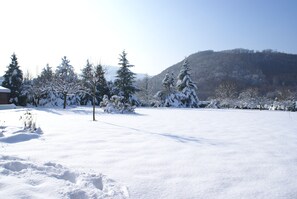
177,138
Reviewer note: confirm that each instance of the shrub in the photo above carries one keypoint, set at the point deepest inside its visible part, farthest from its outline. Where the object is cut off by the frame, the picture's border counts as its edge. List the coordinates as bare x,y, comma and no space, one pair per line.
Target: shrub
29,121
116,105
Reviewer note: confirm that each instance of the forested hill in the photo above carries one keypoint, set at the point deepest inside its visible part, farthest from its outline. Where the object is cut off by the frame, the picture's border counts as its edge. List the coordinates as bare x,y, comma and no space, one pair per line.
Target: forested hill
266,70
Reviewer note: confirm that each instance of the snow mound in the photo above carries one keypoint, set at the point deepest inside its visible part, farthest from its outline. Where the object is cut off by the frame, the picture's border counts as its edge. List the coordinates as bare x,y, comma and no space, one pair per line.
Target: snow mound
18,134
51,180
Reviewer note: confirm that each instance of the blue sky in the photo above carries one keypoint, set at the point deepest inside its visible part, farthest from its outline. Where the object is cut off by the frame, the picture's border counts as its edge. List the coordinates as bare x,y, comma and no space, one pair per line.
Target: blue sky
155,33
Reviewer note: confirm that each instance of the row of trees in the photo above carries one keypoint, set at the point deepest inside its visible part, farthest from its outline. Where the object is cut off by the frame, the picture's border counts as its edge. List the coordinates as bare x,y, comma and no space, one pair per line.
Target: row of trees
63,86
230,95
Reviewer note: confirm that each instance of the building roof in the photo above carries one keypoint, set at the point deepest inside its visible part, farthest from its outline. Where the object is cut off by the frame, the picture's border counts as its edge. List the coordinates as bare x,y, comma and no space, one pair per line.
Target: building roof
4,90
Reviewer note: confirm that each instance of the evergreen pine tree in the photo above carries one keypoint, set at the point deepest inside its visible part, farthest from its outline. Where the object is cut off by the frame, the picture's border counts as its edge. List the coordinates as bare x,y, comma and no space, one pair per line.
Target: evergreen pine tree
47,75
27,93
87,76
186,86
169,97
94,83
43,86
13,79
168,82
125,79
102,87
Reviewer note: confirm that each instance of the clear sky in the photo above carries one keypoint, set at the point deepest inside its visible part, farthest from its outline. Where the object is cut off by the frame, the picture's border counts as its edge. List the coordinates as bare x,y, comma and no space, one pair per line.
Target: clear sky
155,33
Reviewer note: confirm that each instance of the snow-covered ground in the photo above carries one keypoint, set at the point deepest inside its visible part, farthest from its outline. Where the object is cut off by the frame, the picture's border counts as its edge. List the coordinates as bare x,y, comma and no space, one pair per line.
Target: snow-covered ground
155,153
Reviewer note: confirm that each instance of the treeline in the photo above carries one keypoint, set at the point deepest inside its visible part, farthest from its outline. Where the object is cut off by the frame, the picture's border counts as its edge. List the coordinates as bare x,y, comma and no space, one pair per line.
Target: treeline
63,86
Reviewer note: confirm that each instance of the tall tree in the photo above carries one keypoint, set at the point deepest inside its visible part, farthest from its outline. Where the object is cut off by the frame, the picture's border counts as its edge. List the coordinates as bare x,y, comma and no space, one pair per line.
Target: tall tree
47,74
42,86
87,76
94,83
65,80
13,79
102,87
125,79
186,86
27,92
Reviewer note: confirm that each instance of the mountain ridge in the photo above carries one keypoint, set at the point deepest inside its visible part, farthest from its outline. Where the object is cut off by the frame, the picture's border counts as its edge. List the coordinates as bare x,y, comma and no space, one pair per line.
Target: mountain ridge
267,70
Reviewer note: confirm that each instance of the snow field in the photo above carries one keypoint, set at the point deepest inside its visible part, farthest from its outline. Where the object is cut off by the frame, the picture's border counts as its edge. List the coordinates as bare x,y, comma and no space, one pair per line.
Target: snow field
167,153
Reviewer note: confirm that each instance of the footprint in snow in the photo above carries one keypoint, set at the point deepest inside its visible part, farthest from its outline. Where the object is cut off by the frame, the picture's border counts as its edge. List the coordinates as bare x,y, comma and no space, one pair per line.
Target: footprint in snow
62,182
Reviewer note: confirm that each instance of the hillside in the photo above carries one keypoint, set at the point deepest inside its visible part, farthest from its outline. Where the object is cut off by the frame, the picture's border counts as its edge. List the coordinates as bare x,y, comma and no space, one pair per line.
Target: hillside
267,70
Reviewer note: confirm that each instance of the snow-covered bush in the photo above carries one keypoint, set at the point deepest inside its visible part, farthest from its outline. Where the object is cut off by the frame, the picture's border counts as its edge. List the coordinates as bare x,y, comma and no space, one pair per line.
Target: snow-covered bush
29,121
261,103
116,105
287,105
184,95
170,99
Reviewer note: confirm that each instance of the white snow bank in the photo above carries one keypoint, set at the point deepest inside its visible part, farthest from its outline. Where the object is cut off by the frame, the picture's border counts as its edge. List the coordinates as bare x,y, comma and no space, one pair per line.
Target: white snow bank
51,180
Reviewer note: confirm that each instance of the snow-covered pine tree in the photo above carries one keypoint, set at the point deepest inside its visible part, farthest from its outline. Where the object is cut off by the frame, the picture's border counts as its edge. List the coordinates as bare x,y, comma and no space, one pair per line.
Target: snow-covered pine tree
187,87
87,79
102,87
32,91
169,97
38,90
13,79
27,89
42,87
89,74
168,82
93,82
47,75
125,79
65,80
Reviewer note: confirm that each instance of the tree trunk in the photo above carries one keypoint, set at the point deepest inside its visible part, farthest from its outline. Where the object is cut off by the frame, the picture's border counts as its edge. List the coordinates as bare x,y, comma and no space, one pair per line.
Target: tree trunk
94,119
65,100
38,99
94,105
